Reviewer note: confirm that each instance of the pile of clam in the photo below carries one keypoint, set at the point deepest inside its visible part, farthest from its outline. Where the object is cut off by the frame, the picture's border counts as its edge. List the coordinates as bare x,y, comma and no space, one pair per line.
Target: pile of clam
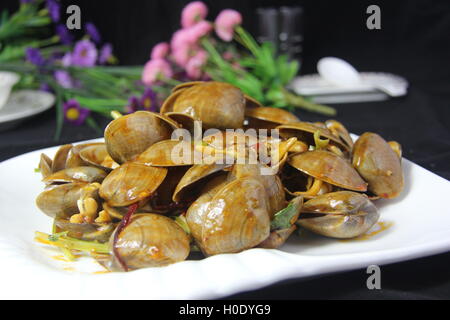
129,195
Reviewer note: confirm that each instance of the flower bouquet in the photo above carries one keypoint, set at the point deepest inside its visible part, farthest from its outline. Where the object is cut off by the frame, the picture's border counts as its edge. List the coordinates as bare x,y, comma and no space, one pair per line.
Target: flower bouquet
198,55
80,72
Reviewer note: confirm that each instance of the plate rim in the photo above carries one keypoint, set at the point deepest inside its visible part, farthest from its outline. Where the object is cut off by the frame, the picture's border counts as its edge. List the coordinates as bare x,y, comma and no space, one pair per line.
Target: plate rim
29,112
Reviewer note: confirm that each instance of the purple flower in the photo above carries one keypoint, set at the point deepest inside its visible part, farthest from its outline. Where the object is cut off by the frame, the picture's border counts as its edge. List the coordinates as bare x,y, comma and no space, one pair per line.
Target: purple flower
66,60
34,56
64,79
148,100
64,34
45,87
133,105
93,33
74,113
105,53
53,10
84,54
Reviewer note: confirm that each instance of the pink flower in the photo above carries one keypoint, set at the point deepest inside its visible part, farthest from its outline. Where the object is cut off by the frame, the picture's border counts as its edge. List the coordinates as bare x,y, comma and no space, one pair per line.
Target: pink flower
160,51
226,21
228,55
194,12
180,39
198,31
184,43
195,65
156,69
181,56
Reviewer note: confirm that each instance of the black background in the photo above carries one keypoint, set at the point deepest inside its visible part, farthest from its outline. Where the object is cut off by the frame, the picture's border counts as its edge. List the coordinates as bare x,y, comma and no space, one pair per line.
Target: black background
414,42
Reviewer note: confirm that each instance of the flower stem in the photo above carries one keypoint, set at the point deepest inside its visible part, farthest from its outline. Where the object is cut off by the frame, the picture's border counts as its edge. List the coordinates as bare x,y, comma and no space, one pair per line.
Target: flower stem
300,102
62,241
170,81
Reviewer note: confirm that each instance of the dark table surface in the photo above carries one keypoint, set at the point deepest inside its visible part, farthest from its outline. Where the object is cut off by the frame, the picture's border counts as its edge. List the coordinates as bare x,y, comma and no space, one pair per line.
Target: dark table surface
420,122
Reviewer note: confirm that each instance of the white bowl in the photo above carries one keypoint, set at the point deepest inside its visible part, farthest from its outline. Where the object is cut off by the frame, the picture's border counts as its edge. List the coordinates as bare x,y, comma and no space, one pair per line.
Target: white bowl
7,81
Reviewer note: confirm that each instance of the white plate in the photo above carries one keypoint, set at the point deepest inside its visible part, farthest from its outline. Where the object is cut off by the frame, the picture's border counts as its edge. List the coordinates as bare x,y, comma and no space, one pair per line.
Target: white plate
420,221
23,104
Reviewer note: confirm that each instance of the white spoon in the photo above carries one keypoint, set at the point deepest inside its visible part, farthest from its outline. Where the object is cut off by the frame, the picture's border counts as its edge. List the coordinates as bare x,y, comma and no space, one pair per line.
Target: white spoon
341,73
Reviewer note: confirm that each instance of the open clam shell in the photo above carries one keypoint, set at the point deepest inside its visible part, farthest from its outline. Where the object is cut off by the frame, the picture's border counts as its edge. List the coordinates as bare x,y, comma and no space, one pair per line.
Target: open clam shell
216,104
97,155
304,131
131,183
329,167
77,174
340,131
59,161
193,176
60,200
268,118
168,153
45,165
339,215
130,135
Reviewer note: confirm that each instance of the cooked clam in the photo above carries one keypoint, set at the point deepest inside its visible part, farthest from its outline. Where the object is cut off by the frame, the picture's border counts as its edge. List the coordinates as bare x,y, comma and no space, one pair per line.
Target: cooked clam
76,174
130,135
379,165
60,200
340,131
193,176
272,184
340,215
86,231
59,161
168,153
268,118
216,104
305,131
131,183
328,167
233,219
150,240
97,155
45,165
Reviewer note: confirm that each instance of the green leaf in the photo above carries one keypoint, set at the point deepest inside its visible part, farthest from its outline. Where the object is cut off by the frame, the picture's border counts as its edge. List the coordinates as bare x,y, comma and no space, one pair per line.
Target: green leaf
59,113
285,218
294,67
275,95
4,17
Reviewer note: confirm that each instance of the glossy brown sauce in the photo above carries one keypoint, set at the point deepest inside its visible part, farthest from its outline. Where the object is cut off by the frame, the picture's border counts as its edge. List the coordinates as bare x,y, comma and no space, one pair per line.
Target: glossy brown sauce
380,227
